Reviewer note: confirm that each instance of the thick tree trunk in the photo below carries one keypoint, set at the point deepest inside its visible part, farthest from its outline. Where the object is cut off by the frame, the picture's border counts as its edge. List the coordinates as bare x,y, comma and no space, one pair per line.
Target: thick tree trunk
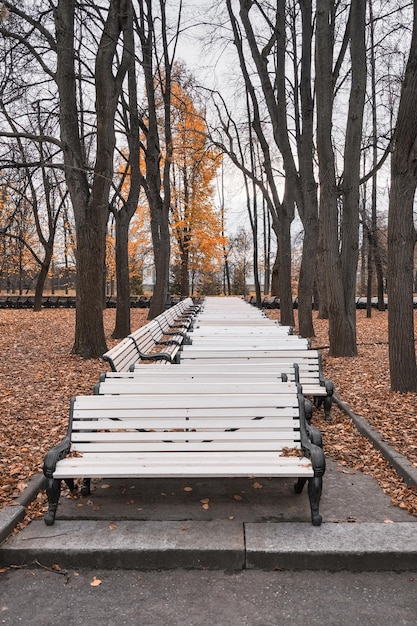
90,209
340,256
309,208
401,233
124,214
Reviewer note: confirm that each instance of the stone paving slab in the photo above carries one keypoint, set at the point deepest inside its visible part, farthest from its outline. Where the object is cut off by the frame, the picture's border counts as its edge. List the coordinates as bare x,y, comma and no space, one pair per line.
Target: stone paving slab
128,545
351,546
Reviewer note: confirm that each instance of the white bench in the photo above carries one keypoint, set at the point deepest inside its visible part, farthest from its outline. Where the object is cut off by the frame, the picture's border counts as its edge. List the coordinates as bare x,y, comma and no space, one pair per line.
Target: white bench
307,371
303,366
187,435
158,340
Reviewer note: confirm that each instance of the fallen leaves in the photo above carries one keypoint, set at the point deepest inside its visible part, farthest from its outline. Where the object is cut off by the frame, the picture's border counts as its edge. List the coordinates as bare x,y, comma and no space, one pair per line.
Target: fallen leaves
38,377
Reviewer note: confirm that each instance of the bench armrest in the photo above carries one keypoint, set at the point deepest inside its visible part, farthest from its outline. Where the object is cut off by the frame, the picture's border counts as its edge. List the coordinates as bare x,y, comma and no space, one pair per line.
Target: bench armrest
54,455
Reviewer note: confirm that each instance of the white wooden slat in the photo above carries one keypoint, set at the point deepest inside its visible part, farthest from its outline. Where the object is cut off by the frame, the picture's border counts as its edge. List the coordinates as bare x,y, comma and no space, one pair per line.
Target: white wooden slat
248,331
191,387
205,368
201,457
289,353
188,401
123,466
196,446
178,374
217,435
250,338
115,471
164,423
174,412
241,350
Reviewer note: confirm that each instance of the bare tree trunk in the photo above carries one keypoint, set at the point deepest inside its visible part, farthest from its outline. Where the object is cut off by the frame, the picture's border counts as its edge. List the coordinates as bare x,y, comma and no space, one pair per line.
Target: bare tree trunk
159,206
274,276
124,215
122,323
340,256
90,209
401,232
309,208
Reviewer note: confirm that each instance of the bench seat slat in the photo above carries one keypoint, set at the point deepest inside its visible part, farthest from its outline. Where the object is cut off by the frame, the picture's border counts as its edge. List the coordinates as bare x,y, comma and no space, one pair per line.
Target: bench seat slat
130,466
132,402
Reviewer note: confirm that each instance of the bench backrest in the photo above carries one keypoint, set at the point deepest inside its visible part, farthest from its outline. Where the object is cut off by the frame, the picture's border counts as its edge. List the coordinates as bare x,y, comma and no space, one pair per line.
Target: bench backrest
188,423
122,356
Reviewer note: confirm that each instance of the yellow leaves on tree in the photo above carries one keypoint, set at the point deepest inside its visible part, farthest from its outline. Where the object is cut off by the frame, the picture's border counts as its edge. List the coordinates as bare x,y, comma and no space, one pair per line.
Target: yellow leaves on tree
196,225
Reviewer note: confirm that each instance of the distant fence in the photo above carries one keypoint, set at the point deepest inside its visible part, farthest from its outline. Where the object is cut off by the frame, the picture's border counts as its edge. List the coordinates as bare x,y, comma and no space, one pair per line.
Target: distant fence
272,302
68,302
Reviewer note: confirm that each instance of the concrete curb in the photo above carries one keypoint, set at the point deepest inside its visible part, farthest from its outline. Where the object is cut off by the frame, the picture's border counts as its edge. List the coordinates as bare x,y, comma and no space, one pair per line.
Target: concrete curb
154,545
400,463
11,515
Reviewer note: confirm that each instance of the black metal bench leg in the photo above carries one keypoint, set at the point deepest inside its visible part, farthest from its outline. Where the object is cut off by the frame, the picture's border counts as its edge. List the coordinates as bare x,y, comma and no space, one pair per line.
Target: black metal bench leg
53,491
85,489
70,483
299,485
327,401
314,493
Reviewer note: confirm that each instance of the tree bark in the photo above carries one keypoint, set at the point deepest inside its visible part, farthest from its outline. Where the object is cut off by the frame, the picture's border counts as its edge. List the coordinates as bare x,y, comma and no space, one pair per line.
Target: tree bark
309,208
90,209
340,254
124,214
159,206
401,232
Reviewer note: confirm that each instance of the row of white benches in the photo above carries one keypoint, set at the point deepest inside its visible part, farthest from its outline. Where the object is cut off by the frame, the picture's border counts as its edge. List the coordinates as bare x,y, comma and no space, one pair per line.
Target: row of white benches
219,411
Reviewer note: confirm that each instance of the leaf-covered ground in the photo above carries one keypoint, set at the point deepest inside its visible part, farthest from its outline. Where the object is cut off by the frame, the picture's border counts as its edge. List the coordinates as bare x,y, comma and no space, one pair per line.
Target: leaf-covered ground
38,376
363,383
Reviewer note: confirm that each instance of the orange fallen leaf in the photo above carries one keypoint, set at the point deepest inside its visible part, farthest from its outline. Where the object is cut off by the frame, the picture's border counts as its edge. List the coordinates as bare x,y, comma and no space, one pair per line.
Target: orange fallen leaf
205,506
188,488
95,582
257,485
112,526
237,497
56,567
105,486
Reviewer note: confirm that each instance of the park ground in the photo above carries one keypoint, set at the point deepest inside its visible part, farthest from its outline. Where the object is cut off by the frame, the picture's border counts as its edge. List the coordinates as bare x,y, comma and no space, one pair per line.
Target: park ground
39,375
